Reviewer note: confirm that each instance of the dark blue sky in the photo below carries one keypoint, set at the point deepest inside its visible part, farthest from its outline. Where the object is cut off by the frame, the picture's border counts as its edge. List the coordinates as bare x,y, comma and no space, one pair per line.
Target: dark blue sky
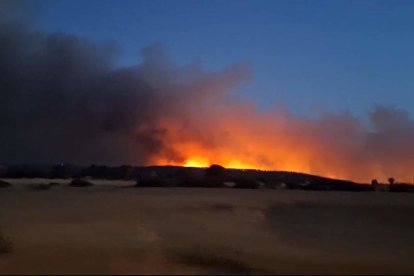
339,55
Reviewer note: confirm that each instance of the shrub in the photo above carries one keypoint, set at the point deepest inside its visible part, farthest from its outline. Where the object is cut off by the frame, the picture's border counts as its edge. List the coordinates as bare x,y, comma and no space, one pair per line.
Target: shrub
401,188
125,172
80,183
150,179
245,183
215,170
4,184
41,186
222,207
213,183
6,246
155,182
215,263
51,184
190,181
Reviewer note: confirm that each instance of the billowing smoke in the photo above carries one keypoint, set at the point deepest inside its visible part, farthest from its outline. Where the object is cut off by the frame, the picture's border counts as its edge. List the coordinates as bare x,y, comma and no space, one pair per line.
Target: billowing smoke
63,99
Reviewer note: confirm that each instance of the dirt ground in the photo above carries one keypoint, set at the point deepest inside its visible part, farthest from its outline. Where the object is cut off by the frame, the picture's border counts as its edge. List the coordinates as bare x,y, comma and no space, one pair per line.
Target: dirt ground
112,228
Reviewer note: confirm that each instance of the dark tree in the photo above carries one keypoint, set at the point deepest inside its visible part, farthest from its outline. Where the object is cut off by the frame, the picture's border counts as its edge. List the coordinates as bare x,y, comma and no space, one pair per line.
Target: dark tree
61,171
125,172
6,246
391,180
4,184
80,183
215,170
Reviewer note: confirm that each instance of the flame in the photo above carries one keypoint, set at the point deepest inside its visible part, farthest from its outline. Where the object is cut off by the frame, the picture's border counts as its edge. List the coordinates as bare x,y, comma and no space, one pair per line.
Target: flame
195,161
202,162
247,139
243,149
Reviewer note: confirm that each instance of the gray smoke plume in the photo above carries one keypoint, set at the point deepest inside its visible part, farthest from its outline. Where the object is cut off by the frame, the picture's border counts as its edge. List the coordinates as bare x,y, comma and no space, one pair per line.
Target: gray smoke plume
63,99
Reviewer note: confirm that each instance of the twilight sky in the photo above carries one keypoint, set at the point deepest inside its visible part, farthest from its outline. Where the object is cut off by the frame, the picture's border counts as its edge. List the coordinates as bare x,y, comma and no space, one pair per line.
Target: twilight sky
158,82
346,55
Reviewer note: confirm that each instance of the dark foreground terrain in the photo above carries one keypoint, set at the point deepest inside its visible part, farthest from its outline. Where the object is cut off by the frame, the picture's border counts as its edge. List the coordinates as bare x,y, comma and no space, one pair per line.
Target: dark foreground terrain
108,229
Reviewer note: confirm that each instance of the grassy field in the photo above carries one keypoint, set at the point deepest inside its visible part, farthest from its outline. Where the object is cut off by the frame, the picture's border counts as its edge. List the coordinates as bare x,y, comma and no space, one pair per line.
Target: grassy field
112,228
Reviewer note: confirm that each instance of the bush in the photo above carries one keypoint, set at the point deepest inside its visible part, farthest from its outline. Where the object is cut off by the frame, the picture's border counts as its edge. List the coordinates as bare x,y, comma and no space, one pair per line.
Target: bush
401,188
244,183
6,246
80,183
4,184
202,258
155,182
150,179
42,186
223,207
215,171
214,182
52,184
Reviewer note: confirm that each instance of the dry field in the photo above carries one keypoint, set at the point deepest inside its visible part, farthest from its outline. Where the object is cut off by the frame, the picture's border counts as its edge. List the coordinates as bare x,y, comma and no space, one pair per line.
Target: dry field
112,228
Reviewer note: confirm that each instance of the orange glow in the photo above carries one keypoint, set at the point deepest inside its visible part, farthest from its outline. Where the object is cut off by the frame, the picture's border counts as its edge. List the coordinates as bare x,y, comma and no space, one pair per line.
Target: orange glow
247,148
196,161
246,139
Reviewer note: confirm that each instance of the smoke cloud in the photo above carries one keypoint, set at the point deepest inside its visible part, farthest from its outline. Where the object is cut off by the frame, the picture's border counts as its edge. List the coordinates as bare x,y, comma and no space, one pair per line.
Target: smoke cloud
63,99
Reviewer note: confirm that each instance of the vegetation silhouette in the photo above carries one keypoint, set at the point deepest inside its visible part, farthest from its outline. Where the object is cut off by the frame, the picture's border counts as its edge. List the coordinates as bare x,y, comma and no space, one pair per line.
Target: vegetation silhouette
4,184
6,245
80,183
215,176
215,171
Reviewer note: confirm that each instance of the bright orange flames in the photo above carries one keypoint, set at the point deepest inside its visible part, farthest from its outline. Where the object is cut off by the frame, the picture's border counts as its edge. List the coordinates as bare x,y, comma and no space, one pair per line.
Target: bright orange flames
247,140
196,161
247,146
201,162
245,150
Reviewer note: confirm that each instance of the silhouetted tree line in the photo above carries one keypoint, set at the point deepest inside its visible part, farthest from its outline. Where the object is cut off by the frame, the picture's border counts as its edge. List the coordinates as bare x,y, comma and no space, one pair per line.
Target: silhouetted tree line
217,176
65,171
211,177
392,186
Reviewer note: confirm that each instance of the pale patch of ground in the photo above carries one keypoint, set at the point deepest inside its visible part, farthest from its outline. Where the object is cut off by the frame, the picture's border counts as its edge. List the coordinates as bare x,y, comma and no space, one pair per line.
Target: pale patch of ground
110,229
